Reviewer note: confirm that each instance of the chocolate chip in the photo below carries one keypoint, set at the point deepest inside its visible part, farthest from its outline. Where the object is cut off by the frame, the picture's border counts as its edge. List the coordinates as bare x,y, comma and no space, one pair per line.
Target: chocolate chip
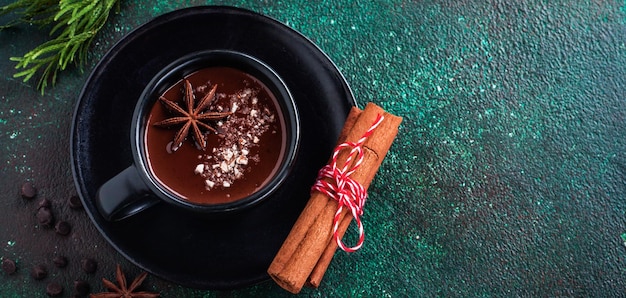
81,287
75,202
60,261
54,289
39,272
45,217
63,228
89,265
8,266
28,191
44,203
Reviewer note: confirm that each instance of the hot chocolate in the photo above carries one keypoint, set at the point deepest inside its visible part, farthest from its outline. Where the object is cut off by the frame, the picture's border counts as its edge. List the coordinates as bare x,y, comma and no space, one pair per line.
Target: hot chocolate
240,145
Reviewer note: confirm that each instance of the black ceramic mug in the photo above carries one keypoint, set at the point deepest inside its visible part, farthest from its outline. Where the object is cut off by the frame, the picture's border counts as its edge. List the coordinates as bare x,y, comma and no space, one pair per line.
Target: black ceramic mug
136,188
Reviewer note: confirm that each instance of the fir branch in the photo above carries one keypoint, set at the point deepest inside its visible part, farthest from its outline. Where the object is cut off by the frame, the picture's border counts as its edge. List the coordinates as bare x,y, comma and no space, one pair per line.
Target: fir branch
76,23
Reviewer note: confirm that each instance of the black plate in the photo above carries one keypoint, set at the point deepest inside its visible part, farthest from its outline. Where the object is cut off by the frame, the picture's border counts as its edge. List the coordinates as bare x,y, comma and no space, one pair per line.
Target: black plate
222,253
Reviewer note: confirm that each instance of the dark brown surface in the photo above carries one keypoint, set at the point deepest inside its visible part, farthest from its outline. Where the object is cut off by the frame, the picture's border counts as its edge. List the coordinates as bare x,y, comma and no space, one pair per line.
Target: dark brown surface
176,169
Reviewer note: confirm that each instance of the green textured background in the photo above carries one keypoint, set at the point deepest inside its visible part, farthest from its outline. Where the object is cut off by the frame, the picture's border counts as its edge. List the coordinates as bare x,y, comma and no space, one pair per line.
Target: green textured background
508,176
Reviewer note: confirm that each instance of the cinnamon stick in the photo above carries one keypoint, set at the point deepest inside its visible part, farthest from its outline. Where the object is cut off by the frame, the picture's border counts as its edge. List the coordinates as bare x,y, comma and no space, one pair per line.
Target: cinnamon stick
308,246
316,275
313,208
315,278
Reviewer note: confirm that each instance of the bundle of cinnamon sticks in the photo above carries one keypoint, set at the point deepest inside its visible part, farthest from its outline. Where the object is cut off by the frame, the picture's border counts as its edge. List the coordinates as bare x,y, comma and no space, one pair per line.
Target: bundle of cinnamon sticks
306,253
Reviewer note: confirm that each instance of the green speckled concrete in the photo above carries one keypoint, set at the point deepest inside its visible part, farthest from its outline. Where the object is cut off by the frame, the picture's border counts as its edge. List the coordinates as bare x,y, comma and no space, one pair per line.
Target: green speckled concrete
508,177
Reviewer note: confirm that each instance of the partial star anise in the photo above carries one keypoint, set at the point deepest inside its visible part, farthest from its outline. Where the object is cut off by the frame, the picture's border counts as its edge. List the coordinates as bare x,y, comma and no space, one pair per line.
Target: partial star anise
122,291
193,118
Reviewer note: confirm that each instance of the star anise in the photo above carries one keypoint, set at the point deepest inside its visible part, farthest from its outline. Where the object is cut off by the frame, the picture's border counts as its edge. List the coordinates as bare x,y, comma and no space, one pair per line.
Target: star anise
193,118
123,291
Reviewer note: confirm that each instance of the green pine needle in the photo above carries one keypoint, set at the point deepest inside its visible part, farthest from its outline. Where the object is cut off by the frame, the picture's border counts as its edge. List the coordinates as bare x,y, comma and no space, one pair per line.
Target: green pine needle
74,25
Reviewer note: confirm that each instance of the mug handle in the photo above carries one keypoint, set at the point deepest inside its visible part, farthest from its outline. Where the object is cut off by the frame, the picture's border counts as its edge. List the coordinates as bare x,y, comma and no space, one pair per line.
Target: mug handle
124,195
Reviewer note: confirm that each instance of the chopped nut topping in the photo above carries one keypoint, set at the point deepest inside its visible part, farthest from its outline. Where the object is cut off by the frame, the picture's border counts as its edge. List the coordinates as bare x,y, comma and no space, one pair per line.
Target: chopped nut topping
242,130
199,169
242,160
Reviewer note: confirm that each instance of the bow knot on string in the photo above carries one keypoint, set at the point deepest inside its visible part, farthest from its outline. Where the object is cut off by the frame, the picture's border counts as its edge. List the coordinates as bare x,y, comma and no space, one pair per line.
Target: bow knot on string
336,183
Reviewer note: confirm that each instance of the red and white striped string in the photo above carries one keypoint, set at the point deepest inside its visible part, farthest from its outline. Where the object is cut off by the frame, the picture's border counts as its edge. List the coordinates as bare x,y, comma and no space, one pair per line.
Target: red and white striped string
341,187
